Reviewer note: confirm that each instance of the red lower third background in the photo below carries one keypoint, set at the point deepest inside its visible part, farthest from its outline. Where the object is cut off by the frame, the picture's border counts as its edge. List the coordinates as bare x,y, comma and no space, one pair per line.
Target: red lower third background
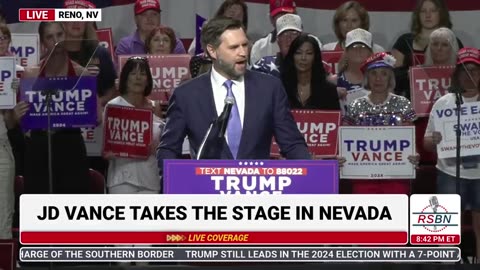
367,238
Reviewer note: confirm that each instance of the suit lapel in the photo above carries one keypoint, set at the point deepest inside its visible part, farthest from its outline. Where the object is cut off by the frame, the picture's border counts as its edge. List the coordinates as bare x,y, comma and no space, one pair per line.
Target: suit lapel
209,109
248,113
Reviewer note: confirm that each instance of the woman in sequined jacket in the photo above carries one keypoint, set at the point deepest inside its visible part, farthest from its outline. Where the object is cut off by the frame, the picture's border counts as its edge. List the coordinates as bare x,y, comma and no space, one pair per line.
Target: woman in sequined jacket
381,108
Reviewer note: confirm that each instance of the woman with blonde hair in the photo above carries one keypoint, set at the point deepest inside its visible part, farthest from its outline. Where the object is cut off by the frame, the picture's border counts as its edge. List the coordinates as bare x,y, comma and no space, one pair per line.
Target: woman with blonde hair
428,16
350,76
350,15
441,51
7,162
69,158
81,43
381,108
442,48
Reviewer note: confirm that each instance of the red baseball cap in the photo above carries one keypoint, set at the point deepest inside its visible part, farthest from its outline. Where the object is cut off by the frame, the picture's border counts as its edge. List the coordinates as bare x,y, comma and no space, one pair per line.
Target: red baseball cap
468,55
378,60
79,4
277,6
144,5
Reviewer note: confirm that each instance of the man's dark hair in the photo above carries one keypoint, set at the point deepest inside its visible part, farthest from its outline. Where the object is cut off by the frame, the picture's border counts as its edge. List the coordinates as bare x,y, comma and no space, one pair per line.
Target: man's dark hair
215,27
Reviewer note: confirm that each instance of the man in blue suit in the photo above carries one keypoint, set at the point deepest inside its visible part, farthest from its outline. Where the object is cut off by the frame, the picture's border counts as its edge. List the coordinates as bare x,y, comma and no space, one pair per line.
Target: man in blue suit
260,109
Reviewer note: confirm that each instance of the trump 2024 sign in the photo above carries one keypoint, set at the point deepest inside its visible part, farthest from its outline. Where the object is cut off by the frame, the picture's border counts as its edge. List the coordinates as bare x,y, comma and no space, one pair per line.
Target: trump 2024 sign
377,152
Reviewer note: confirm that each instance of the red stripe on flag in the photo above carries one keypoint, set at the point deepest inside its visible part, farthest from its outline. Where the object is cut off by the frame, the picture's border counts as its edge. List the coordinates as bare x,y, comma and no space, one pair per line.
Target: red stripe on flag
380,5
367,238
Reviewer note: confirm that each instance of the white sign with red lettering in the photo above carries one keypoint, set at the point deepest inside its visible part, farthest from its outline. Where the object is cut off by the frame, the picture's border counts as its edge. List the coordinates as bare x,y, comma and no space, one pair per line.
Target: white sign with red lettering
93,138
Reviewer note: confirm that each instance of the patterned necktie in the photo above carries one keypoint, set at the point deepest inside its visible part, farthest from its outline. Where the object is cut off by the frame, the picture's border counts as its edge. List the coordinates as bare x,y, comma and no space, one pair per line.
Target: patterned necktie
234,127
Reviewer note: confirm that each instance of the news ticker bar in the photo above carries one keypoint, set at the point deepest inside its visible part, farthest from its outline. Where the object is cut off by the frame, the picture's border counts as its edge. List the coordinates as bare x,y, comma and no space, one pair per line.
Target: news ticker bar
240,254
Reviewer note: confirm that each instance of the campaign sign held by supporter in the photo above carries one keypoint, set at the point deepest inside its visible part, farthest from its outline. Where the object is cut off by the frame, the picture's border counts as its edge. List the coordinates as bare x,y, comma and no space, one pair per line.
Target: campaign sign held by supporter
73,103
93,138
168,71
427,84
377,152
105,39
250,177
320,130
8,97
26,48
127,131
445,120
332,59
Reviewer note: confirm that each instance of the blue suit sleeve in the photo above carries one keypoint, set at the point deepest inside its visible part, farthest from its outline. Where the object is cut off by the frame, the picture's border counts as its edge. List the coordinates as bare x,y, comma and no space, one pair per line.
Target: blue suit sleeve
174,133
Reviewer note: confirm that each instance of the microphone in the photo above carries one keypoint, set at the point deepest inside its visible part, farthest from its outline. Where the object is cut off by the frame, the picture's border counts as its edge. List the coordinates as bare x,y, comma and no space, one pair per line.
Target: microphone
434,205
211,143
225,116
50,92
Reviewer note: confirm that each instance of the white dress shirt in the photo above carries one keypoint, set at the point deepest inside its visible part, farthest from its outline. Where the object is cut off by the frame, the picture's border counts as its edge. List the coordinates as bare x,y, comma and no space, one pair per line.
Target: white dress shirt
220,92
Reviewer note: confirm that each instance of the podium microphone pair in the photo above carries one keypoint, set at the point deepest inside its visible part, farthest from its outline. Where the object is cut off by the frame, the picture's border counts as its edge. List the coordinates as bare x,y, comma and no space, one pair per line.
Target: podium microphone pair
216,130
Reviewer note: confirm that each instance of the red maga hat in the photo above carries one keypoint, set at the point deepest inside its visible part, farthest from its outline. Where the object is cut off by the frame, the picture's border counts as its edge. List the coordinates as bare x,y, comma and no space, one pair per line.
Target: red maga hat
79,4
144,5
277,6
378,60
468,55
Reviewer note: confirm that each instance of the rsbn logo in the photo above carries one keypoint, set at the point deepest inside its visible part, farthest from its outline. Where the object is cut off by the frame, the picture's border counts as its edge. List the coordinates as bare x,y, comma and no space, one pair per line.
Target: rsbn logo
435,217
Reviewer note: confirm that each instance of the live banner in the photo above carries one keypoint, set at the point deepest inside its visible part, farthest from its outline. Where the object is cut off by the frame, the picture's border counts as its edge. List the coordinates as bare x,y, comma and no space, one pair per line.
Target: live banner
8,98
427,84
168,71
332,59
73,103
104,36
377,152
127,131
250,177
445,118
320,130
26,48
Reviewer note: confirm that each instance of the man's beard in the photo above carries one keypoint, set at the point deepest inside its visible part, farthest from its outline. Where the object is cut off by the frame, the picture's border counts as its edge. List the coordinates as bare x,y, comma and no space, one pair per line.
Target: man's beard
229,69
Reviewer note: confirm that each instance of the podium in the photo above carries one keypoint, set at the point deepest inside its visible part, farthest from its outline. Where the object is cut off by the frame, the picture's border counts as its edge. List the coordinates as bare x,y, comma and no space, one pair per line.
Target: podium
250,177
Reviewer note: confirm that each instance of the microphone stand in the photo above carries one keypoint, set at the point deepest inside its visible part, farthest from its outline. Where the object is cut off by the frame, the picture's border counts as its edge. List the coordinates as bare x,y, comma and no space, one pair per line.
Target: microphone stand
458,134
48,101
218,127
201,149
49,94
